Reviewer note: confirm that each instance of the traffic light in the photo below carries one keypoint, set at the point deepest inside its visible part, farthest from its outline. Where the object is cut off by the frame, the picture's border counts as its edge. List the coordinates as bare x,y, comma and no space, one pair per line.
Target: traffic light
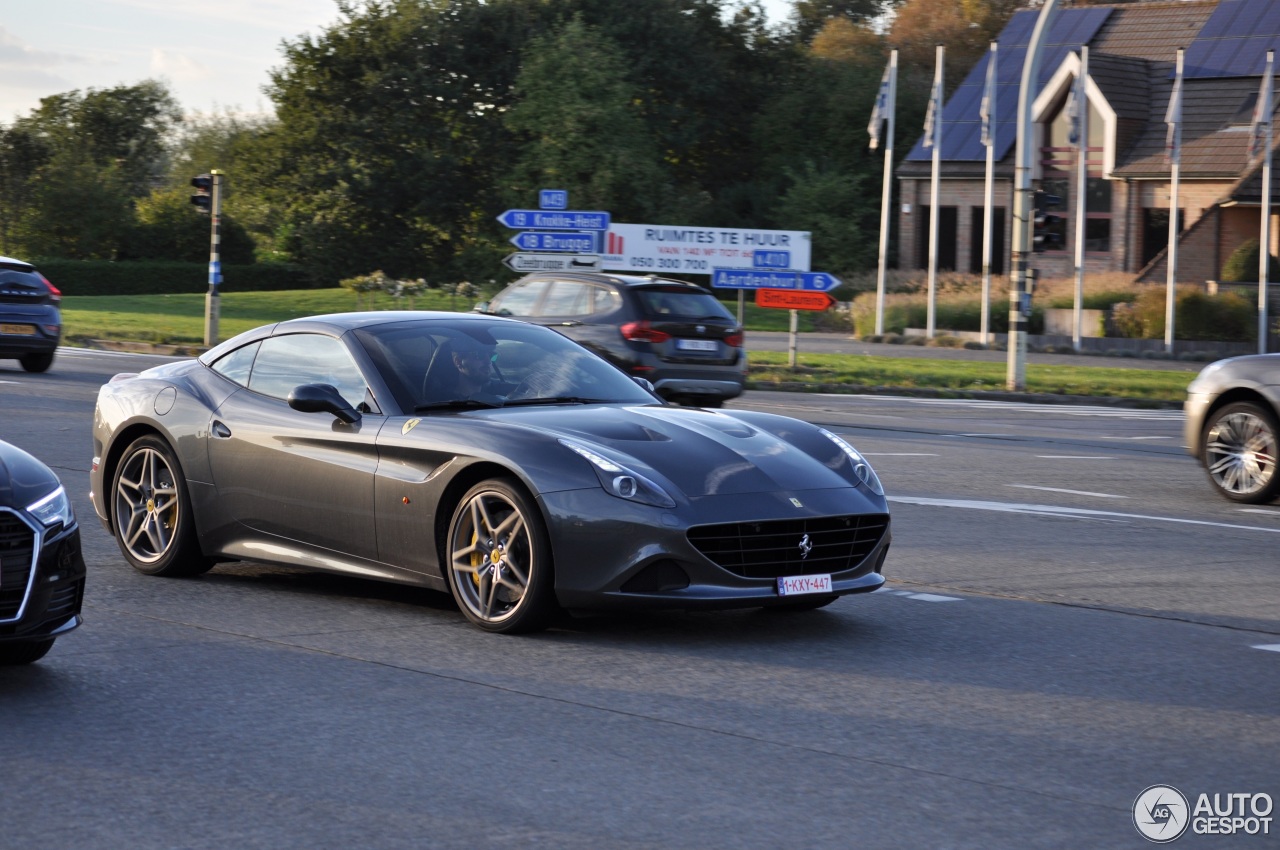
1044,235
203,197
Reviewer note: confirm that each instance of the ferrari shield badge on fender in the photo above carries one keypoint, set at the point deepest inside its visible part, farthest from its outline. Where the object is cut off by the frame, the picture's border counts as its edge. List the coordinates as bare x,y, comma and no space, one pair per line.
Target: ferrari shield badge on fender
796,502
409,426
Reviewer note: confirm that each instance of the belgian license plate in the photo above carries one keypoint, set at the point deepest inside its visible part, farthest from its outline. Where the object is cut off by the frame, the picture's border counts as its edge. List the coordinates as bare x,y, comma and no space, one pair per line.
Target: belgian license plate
21,330
696,344
799,585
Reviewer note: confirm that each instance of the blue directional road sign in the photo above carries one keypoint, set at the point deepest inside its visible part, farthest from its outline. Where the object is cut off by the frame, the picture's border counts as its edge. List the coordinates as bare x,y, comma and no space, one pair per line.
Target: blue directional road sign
749,279
555,220
819,281
762,279
553,199
570,243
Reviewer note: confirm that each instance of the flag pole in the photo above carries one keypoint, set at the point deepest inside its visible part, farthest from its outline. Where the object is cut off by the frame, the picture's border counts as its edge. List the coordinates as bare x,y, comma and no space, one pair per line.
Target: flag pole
989,139
1264,112
889,106
934,128
1082,192
1174,144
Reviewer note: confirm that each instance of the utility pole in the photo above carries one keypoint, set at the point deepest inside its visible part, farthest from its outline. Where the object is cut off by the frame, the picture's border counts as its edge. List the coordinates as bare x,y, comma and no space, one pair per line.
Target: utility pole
212,298
1019,296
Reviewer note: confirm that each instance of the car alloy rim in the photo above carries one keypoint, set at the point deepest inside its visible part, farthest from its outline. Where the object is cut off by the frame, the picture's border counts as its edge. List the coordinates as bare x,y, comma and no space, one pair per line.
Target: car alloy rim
491,557
147,506
1241,453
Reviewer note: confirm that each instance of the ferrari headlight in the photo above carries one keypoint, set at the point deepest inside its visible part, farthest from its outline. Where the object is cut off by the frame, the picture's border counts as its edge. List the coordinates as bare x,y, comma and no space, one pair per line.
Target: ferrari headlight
620,481
53,509
861,468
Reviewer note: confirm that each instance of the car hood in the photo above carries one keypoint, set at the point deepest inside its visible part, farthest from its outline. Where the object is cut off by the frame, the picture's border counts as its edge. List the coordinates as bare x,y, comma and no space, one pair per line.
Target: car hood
23,478
705,453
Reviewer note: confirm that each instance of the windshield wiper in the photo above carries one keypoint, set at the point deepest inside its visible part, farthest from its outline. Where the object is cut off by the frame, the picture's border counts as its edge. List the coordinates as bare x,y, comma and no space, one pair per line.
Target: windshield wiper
458,404
560,399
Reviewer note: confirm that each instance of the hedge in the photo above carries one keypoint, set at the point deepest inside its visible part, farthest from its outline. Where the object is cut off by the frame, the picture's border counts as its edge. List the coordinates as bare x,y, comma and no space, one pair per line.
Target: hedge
154,277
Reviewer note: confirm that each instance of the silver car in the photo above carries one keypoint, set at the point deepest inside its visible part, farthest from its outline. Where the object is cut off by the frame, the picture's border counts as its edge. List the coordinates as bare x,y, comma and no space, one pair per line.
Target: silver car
1232,411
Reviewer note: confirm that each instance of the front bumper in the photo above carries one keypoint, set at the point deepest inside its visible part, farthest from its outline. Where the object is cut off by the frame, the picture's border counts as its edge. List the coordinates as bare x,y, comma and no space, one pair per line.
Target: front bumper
636,556
41,596
1195,410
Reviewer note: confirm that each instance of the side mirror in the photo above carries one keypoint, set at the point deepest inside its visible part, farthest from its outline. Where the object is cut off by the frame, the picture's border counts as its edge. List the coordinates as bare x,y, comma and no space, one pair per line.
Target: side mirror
322,398
644,382
482,307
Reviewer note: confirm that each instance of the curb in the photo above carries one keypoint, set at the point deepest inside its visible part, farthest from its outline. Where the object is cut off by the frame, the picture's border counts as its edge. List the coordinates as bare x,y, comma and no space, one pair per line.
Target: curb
980,395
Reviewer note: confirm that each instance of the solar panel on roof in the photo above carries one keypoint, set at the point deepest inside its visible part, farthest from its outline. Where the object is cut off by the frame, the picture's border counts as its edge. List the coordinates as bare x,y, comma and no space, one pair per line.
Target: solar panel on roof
1070,29
1234,41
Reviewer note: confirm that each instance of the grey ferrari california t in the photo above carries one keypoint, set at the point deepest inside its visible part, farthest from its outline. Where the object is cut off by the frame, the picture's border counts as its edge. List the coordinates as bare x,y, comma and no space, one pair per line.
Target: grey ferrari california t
481,456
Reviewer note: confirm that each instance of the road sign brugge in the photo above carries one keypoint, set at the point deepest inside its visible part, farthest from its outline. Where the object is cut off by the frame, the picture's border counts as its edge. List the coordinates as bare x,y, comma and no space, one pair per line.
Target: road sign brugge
789,299
571,243
555,220
552,262
762,279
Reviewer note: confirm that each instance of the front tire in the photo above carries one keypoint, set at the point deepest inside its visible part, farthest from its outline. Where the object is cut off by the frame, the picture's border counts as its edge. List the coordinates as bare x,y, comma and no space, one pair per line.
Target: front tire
18,652
152,511
499,560
1239,450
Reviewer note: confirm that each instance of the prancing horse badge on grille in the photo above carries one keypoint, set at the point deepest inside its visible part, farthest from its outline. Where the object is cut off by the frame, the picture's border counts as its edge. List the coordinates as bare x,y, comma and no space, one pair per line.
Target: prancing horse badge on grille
805,547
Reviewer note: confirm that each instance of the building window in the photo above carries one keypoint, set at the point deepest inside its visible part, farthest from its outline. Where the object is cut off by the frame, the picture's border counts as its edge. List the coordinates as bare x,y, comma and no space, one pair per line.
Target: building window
1058,167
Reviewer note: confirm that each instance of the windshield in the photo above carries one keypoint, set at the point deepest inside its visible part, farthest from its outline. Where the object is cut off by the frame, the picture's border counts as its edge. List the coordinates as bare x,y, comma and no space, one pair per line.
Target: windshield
681,303
438,364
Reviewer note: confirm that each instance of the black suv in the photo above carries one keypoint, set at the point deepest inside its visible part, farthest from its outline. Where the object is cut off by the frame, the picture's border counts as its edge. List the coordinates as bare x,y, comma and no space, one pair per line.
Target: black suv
672,333
30,318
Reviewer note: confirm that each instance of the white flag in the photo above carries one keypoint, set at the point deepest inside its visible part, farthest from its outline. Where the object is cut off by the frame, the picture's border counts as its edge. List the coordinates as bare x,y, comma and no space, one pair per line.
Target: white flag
1173,117
884,106
987,110
1261,126
933,117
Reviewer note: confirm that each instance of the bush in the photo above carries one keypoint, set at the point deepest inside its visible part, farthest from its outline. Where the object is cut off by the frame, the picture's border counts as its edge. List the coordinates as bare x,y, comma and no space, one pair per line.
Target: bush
1227,316
147,277
1242,265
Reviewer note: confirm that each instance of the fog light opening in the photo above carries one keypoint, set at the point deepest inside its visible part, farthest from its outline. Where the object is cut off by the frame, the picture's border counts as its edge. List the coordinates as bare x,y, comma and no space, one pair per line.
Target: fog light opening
625,486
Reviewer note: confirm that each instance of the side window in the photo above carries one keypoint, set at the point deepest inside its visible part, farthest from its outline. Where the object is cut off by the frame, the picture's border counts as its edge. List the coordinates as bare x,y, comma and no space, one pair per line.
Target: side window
602,299
284,362
567,298
236,365
520,300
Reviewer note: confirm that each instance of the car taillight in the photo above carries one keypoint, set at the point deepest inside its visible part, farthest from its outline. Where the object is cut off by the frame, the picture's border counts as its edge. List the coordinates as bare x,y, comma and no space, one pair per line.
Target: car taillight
733,340
54,295
643,332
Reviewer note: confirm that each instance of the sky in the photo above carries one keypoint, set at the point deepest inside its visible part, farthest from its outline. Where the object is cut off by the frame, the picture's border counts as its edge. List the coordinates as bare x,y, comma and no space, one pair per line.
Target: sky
213,54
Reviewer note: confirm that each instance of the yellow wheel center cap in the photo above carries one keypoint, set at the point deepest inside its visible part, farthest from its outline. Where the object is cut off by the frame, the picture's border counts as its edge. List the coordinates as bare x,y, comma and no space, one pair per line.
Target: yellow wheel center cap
151,505
495,557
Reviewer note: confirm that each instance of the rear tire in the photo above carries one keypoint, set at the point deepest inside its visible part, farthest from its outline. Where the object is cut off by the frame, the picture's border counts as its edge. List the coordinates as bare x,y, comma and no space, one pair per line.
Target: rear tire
18,652
152,512
36,362
1239,448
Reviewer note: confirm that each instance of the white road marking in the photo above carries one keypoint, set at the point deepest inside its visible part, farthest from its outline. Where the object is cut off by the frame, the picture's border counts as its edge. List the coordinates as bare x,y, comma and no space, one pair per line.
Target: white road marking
900,454
1136,438
1076,457
1166,414
1269,647
920,597
1072,492
1263,511
1052,510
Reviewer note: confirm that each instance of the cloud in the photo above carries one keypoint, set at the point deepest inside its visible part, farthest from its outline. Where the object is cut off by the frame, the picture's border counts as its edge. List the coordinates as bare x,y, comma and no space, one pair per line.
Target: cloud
16,53
177,66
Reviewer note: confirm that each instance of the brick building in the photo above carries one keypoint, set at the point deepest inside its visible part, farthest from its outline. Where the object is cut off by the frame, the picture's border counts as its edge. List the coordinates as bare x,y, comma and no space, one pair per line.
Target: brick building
1132,55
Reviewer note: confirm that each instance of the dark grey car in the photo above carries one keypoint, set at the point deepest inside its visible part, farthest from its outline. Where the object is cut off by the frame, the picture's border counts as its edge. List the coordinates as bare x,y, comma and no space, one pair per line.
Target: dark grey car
541,479
674,334
1233,425
30,318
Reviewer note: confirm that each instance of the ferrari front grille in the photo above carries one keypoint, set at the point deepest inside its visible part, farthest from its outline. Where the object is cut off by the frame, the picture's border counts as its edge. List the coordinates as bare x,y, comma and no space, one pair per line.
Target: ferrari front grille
788,547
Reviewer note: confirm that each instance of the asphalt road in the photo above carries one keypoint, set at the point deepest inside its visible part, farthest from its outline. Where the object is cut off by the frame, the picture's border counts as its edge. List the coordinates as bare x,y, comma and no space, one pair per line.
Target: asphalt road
1071,618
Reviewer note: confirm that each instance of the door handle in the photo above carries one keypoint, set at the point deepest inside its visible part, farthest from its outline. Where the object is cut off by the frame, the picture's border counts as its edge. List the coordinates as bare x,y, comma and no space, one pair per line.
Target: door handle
219,430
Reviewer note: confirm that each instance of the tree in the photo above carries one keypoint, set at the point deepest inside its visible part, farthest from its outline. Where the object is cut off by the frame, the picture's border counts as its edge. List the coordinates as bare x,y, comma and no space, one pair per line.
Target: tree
576,113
